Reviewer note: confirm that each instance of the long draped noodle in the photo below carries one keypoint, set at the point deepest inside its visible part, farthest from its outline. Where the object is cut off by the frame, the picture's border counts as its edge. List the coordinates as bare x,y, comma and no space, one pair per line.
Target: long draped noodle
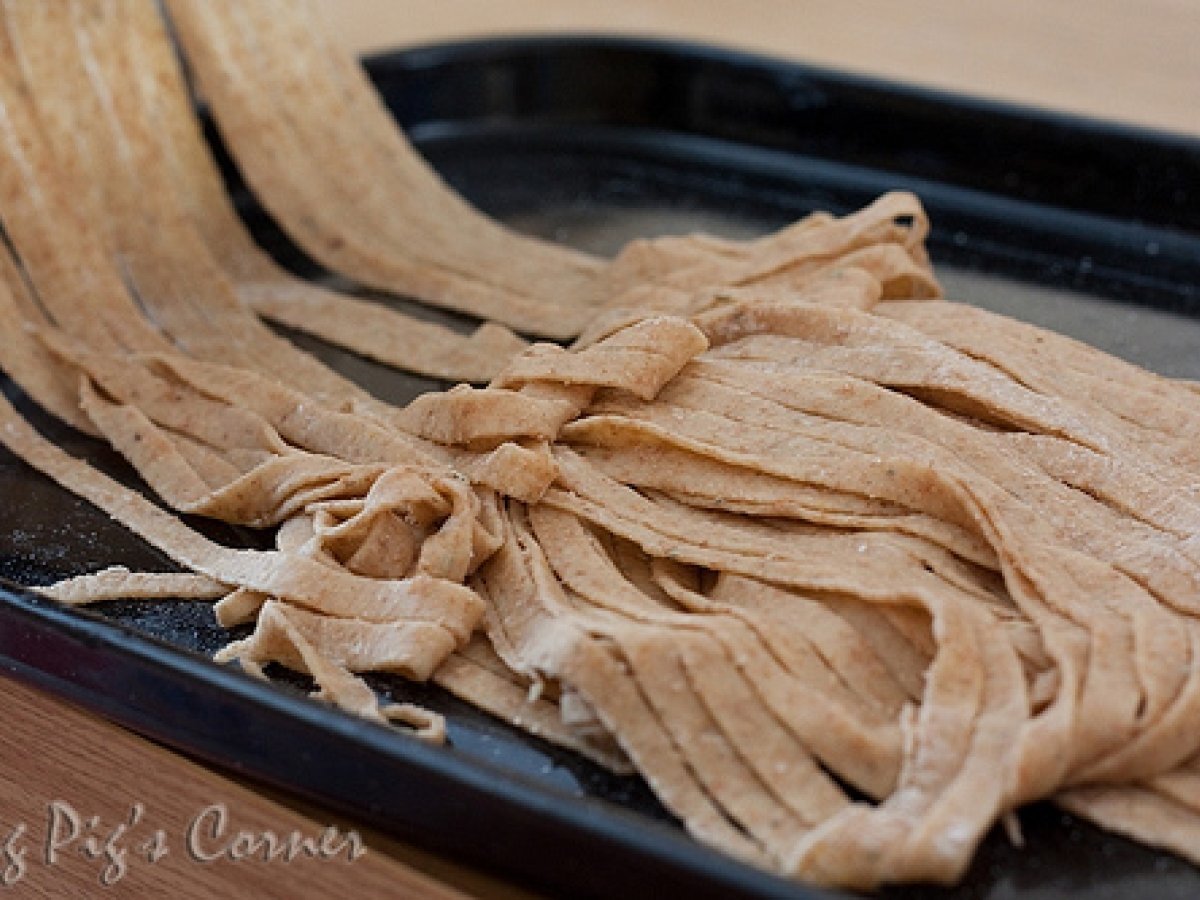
847,574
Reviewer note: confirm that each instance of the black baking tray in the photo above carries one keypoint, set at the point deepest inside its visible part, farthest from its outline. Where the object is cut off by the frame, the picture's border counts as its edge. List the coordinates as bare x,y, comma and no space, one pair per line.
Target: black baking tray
1088,227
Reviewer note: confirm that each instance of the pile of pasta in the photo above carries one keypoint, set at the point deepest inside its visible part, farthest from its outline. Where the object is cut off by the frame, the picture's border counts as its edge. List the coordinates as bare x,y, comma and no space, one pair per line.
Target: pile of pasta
846,572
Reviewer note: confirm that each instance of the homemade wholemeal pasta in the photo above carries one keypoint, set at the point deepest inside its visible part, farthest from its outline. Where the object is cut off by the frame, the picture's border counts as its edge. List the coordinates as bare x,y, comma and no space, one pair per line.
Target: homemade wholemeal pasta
847,572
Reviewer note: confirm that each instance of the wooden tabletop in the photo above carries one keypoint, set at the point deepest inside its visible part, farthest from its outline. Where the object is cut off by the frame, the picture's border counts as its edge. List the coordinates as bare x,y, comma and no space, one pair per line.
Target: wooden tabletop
1117,59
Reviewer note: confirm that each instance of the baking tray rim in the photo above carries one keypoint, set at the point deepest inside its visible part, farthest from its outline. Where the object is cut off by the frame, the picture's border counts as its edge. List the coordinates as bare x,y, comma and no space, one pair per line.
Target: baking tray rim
478,49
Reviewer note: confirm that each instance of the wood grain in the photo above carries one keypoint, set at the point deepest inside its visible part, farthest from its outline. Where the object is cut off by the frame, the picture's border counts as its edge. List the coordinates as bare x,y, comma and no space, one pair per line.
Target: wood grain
54,757
1130,61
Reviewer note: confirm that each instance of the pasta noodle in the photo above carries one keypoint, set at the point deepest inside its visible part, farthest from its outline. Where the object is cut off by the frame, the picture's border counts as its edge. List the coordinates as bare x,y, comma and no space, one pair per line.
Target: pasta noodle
846,573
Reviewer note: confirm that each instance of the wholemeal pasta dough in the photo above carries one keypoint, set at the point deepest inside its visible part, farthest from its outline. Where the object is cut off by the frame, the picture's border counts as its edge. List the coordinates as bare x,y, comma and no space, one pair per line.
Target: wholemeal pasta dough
846,572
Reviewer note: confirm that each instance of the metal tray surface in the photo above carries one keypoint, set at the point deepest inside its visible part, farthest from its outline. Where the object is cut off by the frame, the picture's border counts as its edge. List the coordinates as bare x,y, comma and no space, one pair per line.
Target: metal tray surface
1088,228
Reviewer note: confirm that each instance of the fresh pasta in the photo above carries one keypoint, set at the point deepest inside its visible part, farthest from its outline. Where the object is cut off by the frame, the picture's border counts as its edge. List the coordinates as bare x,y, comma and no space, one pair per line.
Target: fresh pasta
846,572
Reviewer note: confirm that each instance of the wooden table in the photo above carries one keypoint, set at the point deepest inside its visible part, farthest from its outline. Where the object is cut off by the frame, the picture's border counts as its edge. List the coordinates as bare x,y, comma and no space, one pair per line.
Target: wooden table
1117,59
